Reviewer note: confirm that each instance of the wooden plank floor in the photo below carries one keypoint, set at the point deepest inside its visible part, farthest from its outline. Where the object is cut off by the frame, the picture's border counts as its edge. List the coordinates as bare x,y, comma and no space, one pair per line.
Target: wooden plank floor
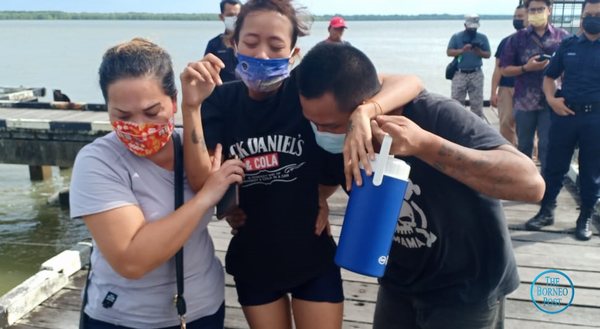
553,248
535,252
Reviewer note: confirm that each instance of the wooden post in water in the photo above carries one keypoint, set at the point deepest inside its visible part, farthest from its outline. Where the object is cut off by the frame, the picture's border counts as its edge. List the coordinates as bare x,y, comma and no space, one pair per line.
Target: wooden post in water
38,173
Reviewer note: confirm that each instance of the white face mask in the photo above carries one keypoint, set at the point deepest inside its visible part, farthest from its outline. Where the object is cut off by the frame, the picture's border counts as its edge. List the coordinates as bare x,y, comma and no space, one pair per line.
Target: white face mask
330,142
230,23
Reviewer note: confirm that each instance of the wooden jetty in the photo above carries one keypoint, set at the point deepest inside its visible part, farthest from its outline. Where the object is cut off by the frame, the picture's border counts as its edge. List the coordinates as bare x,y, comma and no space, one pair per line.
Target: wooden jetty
57,289
52,298
42,135
21,94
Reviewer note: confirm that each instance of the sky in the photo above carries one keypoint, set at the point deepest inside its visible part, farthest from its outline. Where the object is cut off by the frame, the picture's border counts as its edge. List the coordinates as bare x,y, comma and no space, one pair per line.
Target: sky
316,7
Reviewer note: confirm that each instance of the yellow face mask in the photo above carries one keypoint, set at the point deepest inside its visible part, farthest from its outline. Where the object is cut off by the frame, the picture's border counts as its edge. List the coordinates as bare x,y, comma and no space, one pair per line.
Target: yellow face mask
538,20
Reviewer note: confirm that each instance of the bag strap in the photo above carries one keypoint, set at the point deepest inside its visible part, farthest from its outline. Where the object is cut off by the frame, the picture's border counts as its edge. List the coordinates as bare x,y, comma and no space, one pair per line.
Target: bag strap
537,42
179,299
85,292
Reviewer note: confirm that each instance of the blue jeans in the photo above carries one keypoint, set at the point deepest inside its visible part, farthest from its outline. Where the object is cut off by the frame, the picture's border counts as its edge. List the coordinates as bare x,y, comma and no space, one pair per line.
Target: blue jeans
215,321
565,133
528,122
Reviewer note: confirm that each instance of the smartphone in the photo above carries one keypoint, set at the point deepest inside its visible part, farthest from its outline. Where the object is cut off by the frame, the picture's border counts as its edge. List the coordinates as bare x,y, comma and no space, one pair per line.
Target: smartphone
476,45
543,57
230,201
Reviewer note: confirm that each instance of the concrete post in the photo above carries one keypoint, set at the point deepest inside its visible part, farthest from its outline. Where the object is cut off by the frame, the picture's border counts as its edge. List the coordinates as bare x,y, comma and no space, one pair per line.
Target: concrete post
38,173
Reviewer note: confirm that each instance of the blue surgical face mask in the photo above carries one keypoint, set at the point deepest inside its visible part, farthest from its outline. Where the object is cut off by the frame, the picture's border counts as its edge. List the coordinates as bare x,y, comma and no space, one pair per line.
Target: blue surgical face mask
330,142
262,75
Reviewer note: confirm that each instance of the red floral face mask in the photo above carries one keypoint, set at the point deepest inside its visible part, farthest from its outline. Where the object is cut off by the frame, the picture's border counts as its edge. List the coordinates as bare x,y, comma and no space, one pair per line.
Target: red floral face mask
144,139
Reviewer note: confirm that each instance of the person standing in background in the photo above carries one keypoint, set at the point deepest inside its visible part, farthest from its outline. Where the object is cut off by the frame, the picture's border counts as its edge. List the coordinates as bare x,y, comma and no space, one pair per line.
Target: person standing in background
470,47
523,59
336,29
222,45
575,119
503,88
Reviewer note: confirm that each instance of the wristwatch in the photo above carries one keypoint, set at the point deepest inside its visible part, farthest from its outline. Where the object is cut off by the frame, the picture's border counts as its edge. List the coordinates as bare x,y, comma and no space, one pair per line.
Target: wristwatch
523,69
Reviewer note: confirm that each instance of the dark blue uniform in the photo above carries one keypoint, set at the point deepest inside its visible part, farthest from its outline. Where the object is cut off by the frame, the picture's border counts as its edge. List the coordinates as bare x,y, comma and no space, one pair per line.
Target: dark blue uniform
226,54
579,59
504,81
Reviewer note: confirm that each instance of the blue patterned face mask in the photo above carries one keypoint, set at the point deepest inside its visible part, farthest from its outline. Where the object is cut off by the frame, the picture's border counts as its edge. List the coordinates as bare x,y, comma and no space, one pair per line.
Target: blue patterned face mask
330,142
262,75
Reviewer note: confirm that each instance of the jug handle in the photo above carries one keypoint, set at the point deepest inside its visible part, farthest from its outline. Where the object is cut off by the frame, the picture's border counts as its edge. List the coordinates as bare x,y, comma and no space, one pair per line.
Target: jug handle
384,155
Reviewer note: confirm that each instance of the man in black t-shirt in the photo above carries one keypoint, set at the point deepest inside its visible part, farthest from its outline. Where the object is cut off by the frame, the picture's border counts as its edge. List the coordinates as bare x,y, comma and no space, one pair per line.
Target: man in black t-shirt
503,88
451,263
222,45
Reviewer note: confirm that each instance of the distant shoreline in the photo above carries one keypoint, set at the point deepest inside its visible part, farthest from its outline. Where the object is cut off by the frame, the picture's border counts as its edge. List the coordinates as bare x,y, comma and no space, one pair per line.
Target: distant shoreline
60,15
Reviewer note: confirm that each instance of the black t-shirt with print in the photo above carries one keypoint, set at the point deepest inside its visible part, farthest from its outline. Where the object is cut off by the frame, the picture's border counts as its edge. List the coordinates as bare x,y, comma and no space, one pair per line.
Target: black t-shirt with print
277,247
452,244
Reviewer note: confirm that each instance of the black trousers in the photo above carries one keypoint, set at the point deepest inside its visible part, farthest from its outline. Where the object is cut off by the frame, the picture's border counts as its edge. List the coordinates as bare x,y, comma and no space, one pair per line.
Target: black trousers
396,312
583,128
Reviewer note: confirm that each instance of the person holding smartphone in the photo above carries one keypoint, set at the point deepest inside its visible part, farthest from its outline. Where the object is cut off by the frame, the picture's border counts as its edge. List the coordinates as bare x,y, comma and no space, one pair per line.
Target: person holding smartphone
470,47
574,120
522,59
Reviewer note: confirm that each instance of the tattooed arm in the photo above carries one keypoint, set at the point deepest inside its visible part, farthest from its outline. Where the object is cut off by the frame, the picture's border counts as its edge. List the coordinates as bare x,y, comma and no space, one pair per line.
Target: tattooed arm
502,173
198,81
196,156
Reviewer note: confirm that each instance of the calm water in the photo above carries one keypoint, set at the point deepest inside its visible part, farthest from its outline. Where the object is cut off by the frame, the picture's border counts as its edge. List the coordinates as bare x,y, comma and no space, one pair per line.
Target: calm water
66,54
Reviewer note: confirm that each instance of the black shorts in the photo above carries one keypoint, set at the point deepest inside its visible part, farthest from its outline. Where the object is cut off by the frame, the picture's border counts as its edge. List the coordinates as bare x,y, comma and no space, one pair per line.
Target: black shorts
326,288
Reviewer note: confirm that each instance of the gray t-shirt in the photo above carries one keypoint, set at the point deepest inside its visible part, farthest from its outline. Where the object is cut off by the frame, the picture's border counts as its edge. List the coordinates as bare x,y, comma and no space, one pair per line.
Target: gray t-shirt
106,175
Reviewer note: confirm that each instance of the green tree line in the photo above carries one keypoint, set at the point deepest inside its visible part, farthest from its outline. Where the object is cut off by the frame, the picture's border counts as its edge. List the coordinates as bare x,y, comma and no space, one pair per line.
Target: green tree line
60,15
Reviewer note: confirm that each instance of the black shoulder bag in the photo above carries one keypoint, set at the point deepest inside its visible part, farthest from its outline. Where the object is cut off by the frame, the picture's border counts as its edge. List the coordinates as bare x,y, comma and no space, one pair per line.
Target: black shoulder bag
178,300
452,68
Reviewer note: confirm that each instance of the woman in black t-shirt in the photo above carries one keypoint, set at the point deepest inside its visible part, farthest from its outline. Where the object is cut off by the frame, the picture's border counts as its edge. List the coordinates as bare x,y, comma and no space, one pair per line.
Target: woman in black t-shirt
282,248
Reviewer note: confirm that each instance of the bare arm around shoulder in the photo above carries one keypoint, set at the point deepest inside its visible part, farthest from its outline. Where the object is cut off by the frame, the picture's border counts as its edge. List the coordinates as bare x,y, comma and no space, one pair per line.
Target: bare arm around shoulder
134,247
198,80
502,173
396,91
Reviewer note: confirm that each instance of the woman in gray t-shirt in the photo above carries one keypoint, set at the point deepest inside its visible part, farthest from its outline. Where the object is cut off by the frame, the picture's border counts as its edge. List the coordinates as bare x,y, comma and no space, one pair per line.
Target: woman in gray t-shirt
123,188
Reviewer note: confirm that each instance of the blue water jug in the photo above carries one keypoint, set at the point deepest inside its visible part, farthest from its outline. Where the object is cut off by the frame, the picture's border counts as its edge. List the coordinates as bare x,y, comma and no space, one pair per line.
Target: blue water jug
372,215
